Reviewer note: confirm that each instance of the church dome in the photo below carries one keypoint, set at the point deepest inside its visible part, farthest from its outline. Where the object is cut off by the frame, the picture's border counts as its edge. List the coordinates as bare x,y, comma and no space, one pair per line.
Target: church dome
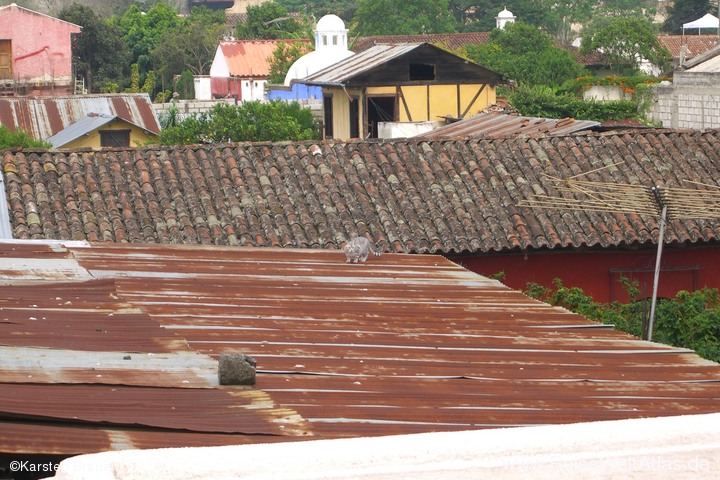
505,14
330,48
330,23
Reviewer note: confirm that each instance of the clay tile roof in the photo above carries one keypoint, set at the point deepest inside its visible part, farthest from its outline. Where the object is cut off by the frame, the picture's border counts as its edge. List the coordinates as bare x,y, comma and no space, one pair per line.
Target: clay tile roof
696,44
450,41
411,195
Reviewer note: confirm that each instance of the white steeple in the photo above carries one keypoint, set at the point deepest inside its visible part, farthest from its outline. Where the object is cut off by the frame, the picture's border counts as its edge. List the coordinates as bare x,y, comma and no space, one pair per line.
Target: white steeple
504,18
330,32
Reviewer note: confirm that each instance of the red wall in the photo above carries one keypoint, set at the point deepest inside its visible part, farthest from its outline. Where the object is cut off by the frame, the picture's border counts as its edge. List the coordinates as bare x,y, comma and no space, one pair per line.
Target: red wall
225,87
597,273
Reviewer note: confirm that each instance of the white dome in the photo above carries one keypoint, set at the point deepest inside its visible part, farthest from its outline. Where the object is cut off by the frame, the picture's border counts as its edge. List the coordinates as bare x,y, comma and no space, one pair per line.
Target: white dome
330,23
505,14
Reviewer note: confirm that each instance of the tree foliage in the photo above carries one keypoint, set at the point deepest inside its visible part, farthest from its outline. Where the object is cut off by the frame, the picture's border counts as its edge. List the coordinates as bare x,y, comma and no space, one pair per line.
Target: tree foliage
344,9
410,17
270,21
684,11
18,138
191,46
98,53
283,57
625,42
523,53
546,102
249,122
690,320
142,31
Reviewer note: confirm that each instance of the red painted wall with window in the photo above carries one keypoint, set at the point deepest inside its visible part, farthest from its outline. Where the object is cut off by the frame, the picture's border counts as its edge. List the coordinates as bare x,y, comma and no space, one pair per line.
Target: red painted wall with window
598,272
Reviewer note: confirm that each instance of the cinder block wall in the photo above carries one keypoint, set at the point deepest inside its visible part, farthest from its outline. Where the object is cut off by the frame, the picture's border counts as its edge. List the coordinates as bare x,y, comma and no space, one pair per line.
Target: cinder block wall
189,107
691,101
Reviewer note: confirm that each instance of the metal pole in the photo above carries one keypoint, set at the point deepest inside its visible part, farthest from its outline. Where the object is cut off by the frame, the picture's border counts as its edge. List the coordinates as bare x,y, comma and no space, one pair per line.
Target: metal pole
663,216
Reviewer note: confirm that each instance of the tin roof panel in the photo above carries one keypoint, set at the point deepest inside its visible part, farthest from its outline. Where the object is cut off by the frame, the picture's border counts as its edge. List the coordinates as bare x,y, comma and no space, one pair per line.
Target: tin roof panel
400,344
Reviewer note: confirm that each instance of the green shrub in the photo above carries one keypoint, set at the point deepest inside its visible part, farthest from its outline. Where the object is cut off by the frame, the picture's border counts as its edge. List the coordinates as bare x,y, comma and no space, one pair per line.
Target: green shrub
690,320
18,138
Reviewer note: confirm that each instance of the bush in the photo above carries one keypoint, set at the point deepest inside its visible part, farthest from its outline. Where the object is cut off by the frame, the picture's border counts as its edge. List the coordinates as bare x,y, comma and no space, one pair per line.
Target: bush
18,138
690,320
249,122
542,101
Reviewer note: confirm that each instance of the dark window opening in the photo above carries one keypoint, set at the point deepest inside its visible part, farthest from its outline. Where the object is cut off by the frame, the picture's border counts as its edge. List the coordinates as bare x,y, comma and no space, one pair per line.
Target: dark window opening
422,71
328,116
114,138
379,109
354,118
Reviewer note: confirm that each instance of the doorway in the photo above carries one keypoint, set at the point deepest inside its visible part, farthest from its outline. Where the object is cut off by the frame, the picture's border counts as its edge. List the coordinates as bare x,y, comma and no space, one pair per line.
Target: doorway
379,109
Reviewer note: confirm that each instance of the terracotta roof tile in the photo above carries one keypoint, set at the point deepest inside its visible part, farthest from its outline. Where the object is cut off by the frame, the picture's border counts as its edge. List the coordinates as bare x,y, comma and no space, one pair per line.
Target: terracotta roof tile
410,195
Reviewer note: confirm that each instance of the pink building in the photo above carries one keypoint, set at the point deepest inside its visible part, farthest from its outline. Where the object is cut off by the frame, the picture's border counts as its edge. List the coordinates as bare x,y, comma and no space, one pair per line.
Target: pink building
35,53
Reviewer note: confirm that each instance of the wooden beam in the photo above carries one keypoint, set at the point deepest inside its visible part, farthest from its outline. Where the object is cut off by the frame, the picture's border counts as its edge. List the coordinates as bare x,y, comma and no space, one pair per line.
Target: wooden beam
472,101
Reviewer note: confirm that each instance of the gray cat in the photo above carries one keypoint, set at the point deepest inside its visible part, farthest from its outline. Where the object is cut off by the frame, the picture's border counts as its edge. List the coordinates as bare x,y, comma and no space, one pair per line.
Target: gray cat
358,249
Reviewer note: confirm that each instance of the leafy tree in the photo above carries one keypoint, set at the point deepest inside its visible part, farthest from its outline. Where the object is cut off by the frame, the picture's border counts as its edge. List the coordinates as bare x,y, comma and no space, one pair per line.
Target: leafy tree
18,138
625,42
98,53
142,31
344,9
269,21
191,46
249,122
185,85
523,53
684,11
284,55
392,17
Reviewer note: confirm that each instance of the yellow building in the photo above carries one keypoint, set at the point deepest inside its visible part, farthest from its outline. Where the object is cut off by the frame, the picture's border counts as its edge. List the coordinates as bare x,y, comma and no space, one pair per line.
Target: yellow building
411,82
102,130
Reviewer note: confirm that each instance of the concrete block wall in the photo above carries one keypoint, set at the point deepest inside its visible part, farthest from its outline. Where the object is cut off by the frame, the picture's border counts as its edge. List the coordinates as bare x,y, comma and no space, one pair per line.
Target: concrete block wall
692,101
189,107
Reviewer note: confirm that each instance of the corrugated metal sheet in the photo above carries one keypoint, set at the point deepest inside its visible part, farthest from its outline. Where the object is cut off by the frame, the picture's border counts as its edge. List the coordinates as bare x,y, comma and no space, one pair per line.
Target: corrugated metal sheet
401,344
81,127
43,117
339,73
498,125
250,58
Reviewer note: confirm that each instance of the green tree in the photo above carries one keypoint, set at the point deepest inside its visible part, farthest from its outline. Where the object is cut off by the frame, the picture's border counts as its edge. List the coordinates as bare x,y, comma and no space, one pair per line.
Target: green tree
392,17
270,21
142,31
523,53
284,55
625,42
191,46
98,53
684,11
249,122
18,138
344,9
185,85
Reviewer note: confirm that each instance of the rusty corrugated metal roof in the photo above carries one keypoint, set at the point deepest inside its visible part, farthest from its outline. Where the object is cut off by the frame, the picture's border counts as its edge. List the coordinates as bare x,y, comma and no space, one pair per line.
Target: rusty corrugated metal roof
498,125
401,344
43,117
339,73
